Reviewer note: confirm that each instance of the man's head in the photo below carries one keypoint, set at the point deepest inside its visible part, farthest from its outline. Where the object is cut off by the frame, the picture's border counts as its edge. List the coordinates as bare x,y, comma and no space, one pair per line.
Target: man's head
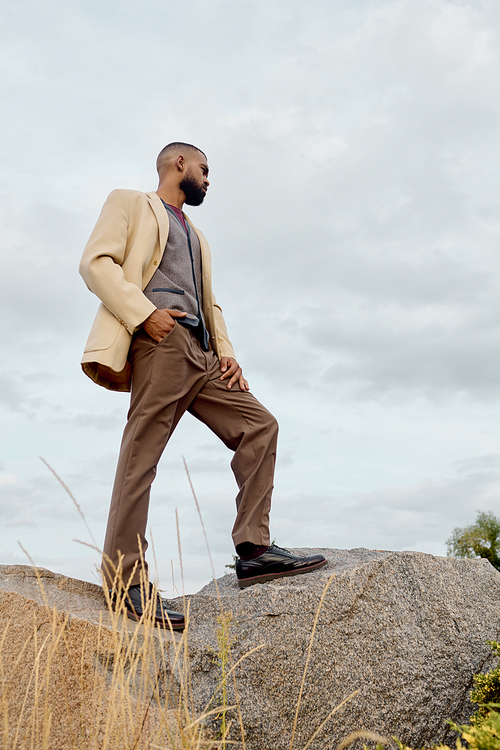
184,166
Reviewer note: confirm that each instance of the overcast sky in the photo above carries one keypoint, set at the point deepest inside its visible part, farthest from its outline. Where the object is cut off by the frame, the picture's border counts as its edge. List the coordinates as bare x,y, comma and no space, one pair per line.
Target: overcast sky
354,222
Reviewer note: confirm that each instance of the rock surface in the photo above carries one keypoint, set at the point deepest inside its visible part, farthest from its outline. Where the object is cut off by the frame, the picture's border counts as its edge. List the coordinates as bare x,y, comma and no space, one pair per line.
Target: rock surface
71,674
404,629
407,630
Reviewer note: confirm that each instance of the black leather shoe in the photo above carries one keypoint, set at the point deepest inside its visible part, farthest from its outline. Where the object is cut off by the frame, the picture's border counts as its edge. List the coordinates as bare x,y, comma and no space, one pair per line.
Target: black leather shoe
134,600
276,562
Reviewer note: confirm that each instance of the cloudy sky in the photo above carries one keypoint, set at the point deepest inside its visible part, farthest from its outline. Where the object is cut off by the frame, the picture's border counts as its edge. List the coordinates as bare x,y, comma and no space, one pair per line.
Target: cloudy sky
354,222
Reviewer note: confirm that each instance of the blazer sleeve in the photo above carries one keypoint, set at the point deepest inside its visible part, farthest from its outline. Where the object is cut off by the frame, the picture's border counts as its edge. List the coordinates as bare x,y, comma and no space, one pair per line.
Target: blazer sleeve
102,261
224,345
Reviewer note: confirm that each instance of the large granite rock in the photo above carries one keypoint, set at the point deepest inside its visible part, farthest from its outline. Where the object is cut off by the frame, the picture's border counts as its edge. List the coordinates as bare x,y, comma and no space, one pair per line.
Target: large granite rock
72,675
405,629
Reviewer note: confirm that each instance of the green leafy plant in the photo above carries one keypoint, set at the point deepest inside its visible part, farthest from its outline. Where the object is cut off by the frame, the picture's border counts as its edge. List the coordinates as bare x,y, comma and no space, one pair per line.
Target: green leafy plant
479,539
485,736
483,732
487,689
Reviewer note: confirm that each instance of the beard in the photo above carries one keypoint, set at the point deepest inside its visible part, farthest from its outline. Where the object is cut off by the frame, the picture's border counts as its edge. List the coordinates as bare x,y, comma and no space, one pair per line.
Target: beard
192,190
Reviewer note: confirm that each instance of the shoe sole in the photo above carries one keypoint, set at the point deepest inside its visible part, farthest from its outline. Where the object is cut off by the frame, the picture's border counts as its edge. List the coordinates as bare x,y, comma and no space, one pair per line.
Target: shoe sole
243,582
165,624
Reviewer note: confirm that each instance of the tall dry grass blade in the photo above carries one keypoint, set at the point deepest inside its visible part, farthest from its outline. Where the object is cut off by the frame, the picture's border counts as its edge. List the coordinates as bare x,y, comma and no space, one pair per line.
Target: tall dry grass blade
86,544
12,670
362,734
38,576
174,587
32,678
49,467
320,604
185,672
180,553
230,673
202,526
153,550
325,721
240,716
204,715
58,633
242,658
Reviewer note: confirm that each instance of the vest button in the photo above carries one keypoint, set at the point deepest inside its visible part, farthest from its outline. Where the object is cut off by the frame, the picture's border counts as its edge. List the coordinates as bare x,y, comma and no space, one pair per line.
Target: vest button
155,262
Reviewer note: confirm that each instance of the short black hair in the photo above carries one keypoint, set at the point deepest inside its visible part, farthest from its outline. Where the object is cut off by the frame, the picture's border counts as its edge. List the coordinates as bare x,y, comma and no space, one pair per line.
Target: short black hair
177,146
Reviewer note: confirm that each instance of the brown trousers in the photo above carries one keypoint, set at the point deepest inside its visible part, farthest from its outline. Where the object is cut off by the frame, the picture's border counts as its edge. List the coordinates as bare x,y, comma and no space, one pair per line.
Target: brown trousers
168,379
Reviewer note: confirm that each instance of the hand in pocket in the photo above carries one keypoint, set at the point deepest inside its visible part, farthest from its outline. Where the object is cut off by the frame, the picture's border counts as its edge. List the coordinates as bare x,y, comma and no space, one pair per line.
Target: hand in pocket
160,323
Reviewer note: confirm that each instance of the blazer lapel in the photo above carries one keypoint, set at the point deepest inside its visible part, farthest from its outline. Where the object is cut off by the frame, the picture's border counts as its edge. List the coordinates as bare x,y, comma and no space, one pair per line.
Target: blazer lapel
206,260
161,217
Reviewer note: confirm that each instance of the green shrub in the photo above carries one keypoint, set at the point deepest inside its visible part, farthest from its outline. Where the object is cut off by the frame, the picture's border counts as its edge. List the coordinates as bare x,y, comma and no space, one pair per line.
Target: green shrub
479,539
485,736
487,689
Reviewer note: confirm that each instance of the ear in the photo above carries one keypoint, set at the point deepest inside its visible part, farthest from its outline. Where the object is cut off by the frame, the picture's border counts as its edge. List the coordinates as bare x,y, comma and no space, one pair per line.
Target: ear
180,162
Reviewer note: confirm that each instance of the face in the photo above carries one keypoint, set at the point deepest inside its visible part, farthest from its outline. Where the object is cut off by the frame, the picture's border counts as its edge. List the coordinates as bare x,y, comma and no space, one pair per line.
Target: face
195,182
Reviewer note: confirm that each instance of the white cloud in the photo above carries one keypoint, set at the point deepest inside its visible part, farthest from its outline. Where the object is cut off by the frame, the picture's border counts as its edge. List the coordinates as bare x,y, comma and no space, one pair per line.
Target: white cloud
8,479
354,227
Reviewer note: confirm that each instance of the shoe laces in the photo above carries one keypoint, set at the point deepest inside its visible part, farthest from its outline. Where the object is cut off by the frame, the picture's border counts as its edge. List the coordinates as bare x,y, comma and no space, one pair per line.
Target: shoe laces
283,549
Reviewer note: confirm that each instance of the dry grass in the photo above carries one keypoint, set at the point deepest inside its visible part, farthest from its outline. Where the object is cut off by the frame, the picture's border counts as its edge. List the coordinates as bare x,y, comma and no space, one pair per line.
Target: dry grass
69,683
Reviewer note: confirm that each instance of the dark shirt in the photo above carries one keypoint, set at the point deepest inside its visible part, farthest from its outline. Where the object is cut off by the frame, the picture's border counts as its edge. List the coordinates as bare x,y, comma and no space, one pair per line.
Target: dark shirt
178,213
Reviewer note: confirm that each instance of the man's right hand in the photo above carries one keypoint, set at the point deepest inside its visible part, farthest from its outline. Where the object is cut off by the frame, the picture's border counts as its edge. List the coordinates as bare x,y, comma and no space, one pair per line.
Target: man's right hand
160,323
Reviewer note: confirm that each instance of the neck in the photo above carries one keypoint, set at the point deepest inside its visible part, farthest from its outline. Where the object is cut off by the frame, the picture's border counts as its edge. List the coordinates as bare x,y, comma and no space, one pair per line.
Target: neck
171,194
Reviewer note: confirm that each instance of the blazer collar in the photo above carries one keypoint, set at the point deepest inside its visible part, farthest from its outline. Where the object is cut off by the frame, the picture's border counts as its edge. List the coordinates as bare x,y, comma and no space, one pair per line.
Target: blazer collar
161,217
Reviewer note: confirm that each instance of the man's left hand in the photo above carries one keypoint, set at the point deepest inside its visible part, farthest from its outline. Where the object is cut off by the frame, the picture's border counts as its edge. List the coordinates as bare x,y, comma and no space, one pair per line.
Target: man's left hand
231,369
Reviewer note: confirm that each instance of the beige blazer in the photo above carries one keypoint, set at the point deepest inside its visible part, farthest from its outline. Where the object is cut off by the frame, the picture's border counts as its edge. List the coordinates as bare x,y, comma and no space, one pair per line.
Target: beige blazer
121,256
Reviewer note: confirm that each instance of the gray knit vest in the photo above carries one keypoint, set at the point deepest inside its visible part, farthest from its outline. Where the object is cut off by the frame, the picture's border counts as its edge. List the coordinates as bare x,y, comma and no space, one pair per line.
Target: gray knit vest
176,283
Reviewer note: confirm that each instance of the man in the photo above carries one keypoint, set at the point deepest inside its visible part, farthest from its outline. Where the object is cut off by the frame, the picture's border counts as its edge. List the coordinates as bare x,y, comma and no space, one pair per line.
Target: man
160,333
